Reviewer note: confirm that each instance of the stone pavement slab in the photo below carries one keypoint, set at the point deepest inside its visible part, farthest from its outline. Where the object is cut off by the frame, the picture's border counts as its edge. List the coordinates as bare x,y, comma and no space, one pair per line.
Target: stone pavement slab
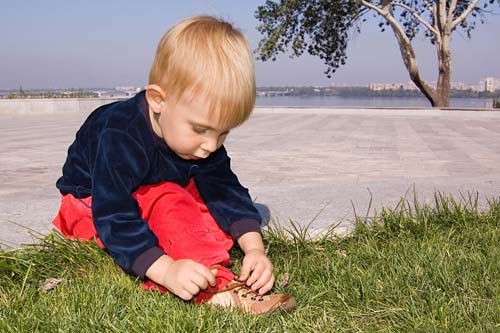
308,165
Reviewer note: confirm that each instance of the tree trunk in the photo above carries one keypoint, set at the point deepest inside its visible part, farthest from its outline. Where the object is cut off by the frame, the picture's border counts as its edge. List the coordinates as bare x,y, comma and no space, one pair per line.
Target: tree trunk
410,61
443,25
444,79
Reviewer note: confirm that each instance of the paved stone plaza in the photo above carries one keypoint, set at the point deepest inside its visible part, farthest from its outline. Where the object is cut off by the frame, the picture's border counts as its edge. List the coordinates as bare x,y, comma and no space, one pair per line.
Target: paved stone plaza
305,165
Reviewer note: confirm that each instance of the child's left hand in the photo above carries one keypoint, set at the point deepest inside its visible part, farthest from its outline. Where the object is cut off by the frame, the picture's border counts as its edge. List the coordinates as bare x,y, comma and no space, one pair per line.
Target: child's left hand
257,271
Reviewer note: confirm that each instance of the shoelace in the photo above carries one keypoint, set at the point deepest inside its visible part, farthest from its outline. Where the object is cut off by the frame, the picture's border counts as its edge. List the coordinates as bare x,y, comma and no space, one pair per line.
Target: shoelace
239,285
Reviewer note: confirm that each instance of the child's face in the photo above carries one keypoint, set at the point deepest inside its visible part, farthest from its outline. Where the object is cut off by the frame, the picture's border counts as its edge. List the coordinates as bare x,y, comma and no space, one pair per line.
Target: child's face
186,127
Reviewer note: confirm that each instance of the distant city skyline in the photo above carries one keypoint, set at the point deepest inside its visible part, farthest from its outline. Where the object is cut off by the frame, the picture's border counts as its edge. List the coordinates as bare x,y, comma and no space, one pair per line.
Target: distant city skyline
62,44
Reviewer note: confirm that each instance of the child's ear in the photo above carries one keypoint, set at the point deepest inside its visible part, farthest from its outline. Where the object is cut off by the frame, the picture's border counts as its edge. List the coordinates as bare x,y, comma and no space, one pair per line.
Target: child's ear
155,97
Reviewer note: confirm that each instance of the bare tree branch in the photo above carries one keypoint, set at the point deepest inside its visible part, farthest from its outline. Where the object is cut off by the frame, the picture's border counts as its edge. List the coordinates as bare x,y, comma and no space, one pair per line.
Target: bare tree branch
405,46
418,17
371,6
441,15
451,10
428,5
464,14
434,15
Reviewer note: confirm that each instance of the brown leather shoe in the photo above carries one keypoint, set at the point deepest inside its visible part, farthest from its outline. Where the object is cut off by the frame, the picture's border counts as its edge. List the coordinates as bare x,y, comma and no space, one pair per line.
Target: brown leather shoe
238,295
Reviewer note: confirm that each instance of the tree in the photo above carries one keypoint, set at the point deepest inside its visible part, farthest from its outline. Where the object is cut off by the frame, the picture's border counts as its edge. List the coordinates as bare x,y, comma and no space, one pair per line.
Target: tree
322,27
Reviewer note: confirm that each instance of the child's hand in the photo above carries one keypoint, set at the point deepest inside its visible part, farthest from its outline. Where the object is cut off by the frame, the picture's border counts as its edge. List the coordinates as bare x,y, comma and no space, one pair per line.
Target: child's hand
257,271
184,277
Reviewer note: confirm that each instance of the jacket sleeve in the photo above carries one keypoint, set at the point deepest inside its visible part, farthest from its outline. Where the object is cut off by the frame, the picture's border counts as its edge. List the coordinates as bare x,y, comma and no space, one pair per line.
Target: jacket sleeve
227,199
120,164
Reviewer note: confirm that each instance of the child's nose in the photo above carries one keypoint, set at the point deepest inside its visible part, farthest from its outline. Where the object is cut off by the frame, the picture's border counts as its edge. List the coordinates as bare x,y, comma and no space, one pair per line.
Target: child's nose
210,145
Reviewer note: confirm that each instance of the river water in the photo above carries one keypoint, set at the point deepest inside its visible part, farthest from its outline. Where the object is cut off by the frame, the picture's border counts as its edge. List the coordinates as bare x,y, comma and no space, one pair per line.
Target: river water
338,101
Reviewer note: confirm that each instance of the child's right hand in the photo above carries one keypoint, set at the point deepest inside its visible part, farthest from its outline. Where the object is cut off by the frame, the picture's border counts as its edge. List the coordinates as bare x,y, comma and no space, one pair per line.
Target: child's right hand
184,277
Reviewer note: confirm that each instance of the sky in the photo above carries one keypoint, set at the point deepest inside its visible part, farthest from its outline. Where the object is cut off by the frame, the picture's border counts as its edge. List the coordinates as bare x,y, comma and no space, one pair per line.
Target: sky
89,44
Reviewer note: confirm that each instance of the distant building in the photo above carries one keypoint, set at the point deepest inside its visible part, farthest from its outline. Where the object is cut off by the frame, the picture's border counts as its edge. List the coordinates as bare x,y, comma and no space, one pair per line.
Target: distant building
267,93
464,86
125,88
454,85
392,86
489,84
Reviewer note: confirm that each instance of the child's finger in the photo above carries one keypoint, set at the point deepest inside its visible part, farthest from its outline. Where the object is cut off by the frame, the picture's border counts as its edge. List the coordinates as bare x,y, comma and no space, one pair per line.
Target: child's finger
214,272
198,280
245,272
192,288
208,274
268,286
262,280
185,295
256,274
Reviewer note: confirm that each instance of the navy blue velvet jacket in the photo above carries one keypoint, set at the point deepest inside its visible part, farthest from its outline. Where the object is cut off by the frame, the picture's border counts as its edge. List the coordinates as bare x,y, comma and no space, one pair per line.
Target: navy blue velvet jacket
115,152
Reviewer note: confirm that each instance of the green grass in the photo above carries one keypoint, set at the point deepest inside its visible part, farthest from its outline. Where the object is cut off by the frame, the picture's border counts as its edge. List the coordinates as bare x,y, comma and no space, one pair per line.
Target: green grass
426,268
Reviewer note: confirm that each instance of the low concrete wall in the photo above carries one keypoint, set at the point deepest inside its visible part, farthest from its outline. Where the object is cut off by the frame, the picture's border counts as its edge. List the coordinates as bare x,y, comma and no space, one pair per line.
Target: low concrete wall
86,105
55,105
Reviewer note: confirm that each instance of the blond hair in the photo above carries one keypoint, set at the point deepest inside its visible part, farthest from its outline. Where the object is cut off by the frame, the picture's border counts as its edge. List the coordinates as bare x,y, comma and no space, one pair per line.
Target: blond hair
211,57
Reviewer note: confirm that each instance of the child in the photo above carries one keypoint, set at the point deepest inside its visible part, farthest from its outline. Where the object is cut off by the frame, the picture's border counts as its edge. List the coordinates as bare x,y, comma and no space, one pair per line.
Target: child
150,180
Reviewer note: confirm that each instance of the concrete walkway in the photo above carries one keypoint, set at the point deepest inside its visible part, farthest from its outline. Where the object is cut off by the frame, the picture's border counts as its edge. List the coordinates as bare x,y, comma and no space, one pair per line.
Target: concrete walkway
305,165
